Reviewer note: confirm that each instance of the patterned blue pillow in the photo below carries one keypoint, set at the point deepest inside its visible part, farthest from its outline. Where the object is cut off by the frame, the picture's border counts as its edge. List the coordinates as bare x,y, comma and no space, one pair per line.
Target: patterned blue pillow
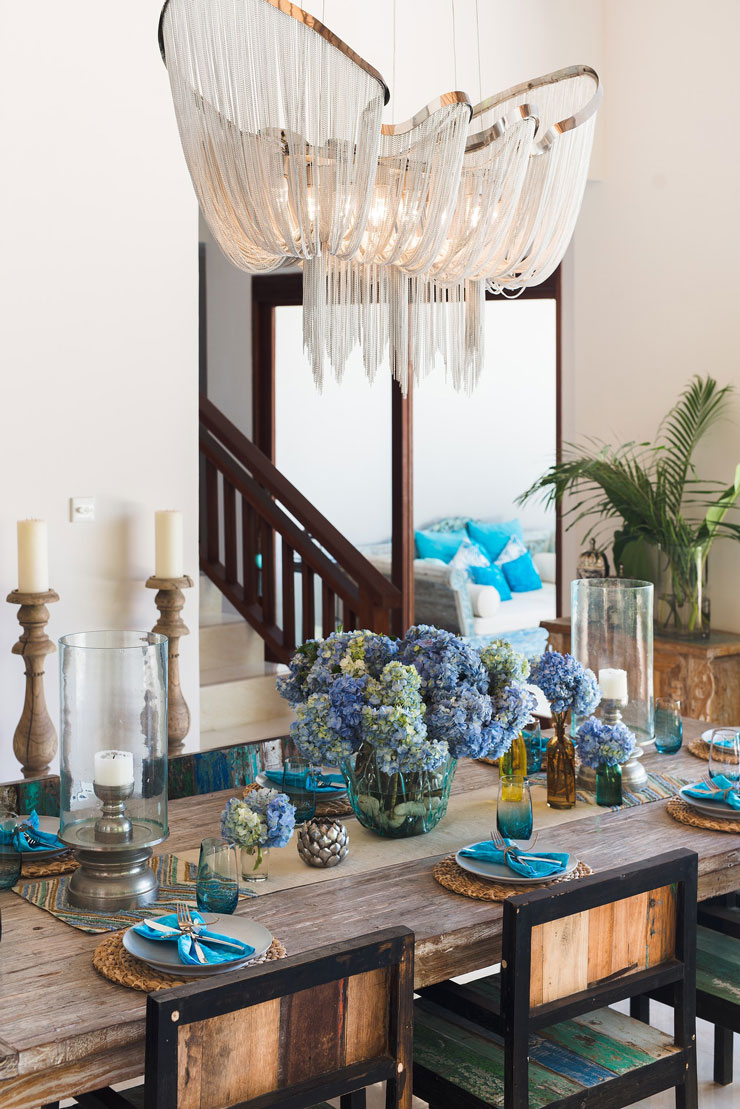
492,575
468,555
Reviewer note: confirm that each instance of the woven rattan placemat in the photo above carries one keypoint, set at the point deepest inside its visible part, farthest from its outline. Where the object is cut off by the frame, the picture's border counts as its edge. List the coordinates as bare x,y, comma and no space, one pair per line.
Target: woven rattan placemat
48,868
338,807
112,960
700,750
451,875
681,811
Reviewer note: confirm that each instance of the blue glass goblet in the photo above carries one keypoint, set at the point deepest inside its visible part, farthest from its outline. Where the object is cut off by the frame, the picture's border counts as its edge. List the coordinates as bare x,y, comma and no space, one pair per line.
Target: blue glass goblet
514,811
217,885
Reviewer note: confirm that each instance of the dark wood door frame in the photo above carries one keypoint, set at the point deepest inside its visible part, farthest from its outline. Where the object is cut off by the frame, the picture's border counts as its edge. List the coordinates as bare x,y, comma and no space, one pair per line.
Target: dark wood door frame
272,290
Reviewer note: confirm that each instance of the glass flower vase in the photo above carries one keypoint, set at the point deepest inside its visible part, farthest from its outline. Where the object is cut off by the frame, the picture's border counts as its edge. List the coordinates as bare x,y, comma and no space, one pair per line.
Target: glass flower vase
609,785
255,863
514,761
561,767
397,805
682,606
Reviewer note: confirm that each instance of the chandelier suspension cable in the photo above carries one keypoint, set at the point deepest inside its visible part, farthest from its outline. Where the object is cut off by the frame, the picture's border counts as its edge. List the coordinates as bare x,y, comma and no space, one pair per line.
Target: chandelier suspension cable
454,44
477,41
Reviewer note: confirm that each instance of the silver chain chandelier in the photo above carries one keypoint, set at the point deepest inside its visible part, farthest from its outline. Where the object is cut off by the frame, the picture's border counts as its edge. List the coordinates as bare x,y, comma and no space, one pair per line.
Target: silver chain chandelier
399,228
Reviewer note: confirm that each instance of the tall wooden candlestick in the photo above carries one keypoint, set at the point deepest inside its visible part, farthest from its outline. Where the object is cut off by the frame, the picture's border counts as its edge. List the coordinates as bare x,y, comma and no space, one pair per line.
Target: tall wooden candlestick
170,600
35,739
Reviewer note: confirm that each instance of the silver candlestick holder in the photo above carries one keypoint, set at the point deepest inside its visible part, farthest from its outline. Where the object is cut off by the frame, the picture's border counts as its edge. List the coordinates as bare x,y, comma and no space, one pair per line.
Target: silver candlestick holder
634,775
113,825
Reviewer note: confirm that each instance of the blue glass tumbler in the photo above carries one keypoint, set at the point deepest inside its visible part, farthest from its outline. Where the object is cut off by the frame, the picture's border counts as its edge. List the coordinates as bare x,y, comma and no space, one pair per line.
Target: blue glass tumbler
514,811
10,855
217,885
668,726
532,735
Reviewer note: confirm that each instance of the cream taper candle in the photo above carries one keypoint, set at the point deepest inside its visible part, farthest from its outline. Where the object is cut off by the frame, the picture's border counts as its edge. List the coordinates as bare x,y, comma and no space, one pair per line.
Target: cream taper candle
33,557
168,547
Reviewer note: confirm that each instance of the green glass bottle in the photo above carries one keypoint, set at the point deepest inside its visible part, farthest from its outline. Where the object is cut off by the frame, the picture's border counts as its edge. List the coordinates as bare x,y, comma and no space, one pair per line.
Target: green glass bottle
514,761
609,785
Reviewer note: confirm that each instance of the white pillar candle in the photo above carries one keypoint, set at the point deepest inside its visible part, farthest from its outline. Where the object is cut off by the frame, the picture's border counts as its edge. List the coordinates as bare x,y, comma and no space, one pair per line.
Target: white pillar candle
114,768
33,557
168,559
613,684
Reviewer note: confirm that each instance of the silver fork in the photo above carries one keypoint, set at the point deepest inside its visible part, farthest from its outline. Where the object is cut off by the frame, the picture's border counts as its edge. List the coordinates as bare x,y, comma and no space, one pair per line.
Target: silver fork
187,925
500,844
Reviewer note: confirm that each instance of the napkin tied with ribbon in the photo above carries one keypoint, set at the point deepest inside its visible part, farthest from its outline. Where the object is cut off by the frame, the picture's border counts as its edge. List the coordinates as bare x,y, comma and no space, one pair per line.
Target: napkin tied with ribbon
517,860
213,951
27,838
320,783
722,790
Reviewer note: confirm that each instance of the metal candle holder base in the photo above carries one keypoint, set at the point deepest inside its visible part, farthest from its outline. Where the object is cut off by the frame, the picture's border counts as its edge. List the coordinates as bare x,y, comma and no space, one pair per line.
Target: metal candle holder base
634,775
114,872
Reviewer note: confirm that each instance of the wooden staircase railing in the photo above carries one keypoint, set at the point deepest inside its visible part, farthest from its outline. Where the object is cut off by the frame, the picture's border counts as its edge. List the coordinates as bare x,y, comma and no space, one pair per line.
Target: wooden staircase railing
253,518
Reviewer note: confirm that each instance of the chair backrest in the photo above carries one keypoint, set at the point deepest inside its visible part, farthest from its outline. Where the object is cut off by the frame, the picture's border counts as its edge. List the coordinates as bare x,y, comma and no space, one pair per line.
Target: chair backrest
290,1032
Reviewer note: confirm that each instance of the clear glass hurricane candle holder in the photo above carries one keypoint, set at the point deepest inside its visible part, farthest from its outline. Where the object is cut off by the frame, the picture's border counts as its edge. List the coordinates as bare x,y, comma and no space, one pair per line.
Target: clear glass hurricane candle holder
612,630
113,762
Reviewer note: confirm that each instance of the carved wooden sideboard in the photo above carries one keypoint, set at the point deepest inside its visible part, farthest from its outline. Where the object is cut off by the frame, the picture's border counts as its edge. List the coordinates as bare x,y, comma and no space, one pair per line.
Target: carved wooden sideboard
703,673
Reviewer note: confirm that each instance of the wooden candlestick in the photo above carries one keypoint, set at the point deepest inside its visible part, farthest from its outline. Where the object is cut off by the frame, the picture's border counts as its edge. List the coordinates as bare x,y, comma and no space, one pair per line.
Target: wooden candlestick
170,600
35,740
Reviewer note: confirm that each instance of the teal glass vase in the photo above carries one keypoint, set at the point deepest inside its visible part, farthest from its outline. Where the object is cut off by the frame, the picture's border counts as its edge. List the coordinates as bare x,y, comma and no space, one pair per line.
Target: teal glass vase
609,786
397,805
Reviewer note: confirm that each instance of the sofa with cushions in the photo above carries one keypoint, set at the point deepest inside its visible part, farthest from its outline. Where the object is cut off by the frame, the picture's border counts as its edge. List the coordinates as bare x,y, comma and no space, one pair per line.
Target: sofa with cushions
482,579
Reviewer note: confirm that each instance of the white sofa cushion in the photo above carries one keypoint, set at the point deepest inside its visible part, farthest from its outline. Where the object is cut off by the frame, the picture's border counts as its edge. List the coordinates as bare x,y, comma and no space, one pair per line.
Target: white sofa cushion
544,564
485,598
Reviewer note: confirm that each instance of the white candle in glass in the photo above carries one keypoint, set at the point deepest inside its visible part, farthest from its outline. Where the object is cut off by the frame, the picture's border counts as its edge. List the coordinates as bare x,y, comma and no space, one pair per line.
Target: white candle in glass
613,684
168,557
33,557
114,768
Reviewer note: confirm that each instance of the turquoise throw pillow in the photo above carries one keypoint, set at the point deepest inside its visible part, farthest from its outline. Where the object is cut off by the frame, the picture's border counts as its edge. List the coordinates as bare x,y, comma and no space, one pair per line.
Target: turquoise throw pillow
494,537
521,574
438,544
491,575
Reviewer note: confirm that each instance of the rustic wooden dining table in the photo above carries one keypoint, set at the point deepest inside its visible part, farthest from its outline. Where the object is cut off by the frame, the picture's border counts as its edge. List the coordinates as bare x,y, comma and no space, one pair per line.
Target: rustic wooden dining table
65,1029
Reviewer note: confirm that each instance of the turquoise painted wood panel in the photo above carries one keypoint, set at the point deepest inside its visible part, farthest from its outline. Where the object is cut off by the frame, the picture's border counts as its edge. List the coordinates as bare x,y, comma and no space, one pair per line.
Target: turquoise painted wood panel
632,1034
592,1045
568,1063
475,1062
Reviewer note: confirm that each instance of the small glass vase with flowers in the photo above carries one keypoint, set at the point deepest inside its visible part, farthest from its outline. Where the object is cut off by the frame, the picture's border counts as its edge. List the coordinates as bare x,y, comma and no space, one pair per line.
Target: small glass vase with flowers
604,747
262,819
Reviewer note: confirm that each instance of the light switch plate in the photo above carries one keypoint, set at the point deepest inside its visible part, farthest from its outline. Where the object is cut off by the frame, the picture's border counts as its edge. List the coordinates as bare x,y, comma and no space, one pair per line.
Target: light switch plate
81,510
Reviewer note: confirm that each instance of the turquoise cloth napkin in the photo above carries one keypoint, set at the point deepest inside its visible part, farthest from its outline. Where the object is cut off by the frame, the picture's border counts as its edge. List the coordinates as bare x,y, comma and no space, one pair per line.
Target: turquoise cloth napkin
325,783
726,791
213,952
517,860
27,837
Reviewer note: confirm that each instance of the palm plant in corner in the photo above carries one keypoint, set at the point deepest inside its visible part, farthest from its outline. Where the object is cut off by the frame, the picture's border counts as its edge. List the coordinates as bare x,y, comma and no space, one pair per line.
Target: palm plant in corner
666,516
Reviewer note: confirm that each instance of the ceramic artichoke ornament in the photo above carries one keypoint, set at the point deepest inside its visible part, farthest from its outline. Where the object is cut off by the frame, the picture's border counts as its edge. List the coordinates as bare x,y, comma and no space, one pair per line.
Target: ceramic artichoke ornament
323,842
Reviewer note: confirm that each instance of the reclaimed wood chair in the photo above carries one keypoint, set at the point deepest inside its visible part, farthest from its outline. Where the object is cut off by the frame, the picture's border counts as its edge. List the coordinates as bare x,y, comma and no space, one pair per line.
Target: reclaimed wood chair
717,980
290,1033
539,1032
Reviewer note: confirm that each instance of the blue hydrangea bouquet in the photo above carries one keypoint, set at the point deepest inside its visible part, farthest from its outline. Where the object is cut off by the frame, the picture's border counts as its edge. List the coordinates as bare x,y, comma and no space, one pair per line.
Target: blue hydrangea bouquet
395,715
263,818
605,748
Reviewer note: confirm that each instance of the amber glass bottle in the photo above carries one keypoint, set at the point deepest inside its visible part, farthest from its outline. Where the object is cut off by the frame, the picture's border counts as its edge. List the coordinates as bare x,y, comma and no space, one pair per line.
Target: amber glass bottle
515,759
561,767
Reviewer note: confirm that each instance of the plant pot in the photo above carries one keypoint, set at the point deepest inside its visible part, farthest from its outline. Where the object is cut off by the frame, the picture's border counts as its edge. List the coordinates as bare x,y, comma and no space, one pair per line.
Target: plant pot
397,805
255,863
682,605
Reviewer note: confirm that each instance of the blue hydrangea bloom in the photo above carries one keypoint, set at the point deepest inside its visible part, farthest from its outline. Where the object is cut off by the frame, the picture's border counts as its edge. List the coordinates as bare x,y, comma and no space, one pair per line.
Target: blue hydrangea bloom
264,818
601,744
566,683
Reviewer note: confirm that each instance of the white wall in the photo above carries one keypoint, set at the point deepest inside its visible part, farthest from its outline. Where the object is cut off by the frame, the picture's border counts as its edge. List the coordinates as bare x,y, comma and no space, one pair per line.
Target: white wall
655,279
98,273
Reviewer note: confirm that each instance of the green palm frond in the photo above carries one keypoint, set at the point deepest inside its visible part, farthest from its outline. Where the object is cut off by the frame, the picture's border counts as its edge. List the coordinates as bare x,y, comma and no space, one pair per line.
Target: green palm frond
700,405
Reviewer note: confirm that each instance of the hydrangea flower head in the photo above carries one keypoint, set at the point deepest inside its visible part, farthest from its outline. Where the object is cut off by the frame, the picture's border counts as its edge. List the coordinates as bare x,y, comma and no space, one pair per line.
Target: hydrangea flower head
503,664
601,744
264,818
566,683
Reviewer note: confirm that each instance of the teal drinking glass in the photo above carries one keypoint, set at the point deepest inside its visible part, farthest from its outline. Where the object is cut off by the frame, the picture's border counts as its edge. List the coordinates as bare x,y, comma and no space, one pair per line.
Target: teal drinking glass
514,810
217,886
668,726
532,735
10,855
299,783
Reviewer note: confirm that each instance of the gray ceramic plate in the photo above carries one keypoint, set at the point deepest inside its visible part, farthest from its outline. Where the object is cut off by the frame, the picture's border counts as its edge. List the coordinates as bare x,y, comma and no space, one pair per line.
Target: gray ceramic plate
499,872
717,809
46,824
162,955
